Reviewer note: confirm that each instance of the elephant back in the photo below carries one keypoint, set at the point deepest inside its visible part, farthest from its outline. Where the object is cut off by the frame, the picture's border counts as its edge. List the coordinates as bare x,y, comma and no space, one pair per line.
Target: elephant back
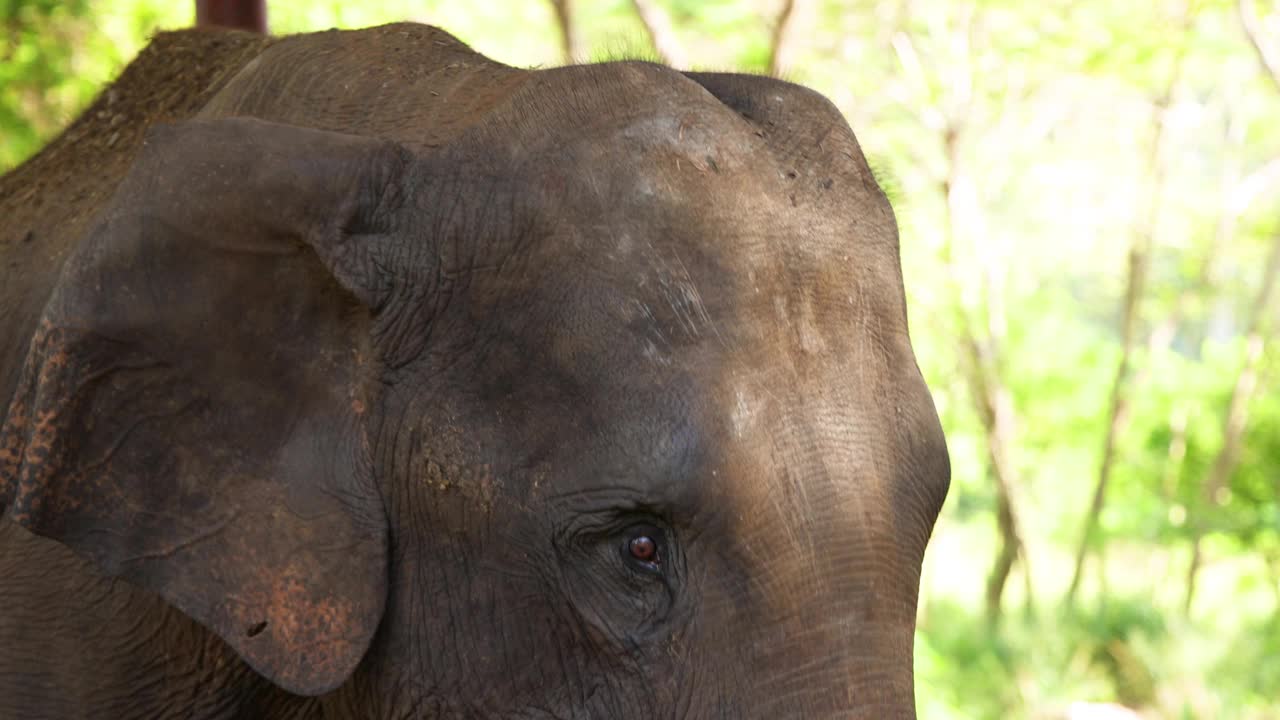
411,83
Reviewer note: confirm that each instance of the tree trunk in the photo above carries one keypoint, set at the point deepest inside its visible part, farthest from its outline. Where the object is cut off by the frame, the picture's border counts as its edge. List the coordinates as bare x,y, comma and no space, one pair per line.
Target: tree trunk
778,46
1142,239
1118,414
992,400
1216,483
1268,56
980,341
568,32
995,408
1010,549
657,24
236,14
1193,570
1224,463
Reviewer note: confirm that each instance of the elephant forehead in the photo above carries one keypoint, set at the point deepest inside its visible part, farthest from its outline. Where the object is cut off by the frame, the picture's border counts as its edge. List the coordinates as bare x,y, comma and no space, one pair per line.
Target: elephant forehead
688,213
693,158
715,416
775,402
738,327
673,151
675,294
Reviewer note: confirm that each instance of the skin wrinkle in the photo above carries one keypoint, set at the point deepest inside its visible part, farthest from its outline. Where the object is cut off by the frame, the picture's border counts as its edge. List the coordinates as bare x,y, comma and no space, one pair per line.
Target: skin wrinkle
613,291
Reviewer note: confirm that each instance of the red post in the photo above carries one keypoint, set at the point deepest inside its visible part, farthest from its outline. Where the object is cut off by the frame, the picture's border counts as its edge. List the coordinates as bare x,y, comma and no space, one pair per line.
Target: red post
238,14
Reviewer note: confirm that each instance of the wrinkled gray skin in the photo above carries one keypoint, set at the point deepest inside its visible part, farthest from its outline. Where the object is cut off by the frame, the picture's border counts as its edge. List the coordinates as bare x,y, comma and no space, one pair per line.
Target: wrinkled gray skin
442,389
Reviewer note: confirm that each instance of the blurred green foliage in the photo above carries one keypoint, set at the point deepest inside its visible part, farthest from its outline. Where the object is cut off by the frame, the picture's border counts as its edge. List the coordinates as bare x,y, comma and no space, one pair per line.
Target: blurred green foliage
1027,148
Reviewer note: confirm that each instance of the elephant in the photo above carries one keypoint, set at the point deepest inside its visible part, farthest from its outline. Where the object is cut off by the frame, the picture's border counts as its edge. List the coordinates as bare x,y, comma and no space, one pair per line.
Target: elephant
355,375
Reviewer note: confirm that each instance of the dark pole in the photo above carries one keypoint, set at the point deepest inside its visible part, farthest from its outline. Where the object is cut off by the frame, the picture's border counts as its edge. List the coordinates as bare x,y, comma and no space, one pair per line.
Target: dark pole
238,14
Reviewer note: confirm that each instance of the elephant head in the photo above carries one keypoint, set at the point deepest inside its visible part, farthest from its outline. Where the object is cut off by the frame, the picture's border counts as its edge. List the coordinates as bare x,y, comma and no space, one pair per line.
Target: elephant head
606,407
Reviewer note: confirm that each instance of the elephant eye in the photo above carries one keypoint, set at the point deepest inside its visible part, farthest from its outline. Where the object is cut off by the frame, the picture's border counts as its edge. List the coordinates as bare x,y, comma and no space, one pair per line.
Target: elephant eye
643,549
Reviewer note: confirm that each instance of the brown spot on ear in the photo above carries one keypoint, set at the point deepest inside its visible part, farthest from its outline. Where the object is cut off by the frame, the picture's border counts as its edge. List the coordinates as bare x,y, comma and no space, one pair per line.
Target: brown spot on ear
26,443
42,434
13,431
11,444
36,430
297,634
10,455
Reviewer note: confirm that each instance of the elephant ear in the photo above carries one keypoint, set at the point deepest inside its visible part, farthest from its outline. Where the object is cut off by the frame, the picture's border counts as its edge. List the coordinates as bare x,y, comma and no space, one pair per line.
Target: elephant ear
190,412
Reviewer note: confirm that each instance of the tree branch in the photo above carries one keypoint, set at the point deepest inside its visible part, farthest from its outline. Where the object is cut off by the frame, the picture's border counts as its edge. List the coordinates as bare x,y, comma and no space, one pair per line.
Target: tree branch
980,338
1268,58
1255,337
248,15
1246,382
778,48
1142,239
568,38
995,407
658,25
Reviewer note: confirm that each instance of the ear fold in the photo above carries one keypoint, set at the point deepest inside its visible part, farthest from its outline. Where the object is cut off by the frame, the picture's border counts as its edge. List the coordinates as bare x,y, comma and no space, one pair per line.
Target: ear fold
190,414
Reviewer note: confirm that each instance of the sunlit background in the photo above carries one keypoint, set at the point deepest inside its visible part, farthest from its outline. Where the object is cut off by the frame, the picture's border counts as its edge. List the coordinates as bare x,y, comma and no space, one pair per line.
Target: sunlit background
1089,199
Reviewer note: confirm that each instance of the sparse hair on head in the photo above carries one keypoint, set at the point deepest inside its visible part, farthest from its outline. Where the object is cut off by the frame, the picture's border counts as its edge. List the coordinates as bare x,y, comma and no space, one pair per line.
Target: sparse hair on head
623,48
